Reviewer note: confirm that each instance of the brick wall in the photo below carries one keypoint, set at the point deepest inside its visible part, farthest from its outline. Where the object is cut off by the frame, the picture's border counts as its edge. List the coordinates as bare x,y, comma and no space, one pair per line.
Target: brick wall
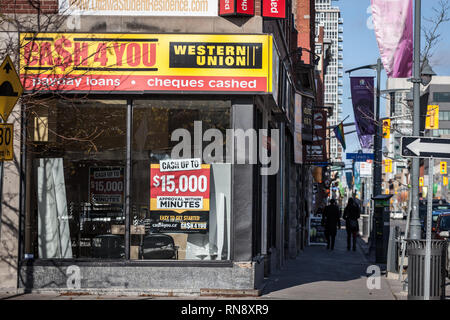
28,6
305,24
258,7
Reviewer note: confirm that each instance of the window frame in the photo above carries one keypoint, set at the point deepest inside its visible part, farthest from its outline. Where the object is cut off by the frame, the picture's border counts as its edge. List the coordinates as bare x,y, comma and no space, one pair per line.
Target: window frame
24,259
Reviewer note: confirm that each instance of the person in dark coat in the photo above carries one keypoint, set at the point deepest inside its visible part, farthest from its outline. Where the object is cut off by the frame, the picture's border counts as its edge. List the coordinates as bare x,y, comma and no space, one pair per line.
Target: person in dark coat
352,212
331,220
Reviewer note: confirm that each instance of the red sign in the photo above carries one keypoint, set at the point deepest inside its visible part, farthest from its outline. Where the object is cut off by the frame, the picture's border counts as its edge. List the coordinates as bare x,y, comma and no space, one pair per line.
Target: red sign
245,7
236,7
226,7
179,191
274,8
145,83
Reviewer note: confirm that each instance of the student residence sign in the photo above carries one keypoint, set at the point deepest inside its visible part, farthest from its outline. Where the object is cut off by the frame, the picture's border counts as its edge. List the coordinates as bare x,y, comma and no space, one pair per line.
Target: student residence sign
205,8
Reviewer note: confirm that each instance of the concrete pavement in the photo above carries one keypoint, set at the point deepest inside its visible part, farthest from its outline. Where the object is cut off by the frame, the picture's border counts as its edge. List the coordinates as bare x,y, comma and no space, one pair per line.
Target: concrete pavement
316,274
321,274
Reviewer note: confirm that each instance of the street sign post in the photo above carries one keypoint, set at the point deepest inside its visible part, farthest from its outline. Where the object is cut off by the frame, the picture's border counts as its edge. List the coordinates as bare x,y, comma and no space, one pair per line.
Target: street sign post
360,157
429,226
10,88
6,141
10,91
424,147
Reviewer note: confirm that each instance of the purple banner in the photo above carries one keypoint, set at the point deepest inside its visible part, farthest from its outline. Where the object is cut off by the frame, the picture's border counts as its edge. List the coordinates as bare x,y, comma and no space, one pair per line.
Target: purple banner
362,89
393,24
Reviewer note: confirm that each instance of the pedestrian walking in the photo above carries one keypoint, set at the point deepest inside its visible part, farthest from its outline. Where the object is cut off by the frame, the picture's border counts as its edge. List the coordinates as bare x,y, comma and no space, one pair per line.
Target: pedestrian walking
352,212
331,220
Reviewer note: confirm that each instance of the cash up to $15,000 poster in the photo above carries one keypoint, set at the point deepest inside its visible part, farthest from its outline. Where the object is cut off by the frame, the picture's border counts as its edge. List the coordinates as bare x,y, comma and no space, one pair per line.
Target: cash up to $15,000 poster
179,196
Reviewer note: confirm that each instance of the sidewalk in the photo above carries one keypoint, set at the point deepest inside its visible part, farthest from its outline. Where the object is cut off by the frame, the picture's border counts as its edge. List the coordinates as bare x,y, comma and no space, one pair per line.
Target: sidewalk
316,274
321,274
396,286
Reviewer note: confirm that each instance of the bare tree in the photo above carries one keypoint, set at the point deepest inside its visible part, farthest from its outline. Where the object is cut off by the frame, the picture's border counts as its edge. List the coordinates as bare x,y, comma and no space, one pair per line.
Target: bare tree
431,31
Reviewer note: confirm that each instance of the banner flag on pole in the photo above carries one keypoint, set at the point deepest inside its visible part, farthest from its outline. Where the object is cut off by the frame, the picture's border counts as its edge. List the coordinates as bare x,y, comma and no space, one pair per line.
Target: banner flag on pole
393,24
362,90
339,133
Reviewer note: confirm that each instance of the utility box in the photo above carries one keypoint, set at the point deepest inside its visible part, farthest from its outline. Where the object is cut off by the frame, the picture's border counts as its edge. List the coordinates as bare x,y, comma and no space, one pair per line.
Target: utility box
382,217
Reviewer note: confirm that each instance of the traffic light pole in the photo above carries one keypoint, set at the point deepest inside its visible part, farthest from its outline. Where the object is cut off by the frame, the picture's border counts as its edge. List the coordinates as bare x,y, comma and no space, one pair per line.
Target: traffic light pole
377,141
377,150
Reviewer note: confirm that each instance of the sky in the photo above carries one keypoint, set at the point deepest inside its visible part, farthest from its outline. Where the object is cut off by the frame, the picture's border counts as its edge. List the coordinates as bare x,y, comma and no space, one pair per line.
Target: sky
361,48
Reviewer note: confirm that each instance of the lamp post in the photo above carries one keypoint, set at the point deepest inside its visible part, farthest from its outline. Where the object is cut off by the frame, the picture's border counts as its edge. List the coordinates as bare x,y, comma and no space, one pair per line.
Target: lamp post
377,141
424,78
419,77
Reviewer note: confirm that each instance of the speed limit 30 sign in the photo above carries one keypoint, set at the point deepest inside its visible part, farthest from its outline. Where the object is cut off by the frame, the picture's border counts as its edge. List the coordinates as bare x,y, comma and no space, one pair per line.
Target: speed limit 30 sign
6,142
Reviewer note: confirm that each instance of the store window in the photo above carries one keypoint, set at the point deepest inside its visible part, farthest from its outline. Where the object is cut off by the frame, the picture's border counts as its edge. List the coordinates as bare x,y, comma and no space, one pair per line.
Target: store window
76,166
75,176
179,214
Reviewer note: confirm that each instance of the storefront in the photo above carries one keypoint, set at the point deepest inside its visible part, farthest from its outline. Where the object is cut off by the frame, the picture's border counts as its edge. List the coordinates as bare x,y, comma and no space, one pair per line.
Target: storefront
108,203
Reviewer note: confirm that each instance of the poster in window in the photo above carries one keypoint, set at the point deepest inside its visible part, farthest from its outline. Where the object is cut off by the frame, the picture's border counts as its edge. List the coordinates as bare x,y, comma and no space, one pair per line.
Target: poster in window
180,196
106,185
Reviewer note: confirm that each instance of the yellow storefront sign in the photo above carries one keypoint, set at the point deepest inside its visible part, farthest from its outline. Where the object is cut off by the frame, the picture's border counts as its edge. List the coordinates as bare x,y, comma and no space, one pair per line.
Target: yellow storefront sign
146,62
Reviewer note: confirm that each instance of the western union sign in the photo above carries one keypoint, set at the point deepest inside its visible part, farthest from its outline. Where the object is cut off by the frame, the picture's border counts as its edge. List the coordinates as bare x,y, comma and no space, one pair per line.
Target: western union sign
146,62
216,55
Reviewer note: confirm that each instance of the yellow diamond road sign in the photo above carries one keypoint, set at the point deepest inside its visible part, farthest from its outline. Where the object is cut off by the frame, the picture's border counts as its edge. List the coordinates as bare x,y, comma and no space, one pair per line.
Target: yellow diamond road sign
10,88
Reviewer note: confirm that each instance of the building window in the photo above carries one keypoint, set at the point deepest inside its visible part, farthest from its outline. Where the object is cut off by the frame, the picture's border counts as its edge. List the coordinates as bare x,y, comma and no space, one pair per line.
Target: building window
441,97
72,211
444,116
76,156
197,234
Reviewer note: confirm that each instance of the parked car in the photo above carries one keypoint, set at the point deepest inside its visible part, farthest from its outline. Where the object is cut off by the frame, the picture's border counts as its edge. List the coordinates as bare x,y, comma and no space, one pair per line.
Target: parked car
434,217
442,230
439,207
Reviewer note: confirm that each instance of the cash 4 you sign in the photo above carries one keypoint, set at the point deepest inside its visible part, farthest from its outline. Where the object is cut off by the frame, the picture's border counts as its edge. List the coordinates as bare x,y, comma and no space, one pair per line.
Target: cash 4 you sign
80,62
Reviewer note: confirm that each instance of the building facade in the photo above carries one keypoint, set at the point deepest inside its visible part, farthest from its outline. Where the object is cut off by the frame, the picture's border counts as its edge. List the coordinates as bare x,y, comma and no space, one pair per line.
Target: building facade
154,151
329,17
